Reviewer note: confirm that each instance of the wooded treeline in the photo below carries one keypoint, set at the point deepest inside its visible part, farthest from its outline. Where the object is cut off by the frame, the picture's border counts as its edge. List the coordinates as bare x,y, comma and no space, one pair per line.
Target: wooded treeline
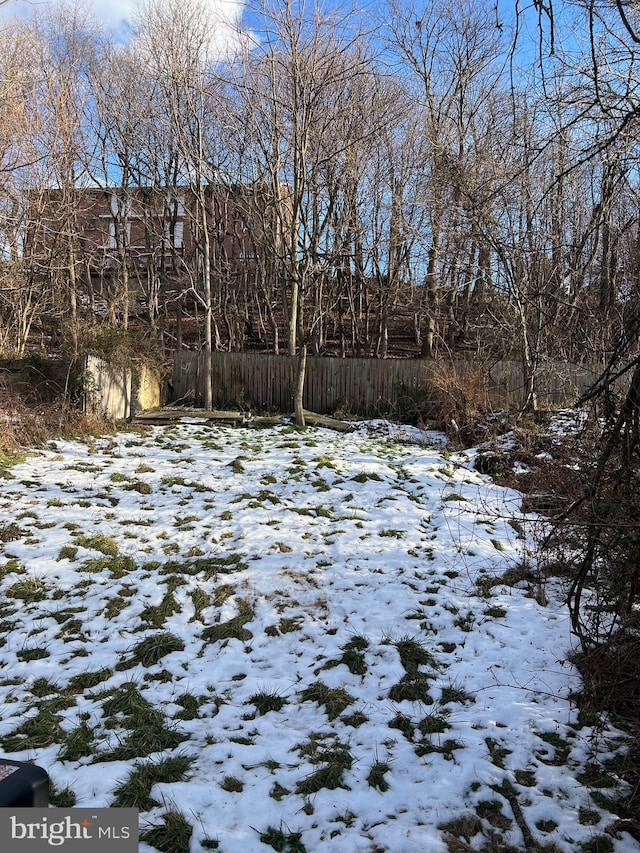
445,176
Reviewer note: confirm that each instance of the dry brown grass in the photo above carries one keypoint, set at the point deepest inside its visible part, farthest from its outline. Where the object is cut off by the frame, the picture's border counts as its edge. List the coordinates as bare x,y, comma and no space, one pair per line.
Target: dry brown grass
25,426
462,391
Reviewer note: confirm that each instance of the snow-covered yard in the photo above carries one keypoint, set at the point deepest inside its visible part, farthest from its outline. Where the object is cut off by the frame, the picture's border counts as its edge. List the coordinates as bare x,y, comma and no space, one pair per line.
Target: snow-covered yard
292,640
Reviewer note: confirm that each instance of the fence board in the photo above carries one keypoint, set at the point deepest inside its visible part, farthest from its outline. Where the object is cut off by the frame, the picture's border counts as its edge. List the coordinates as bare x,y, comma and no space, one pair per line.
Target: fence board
359,385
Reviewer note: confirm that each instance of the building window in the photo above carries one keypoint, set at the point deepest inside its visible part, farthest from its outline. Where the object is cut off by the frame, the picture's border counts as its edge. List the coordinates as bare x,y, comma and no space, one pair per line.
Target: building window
174,234
121,236
176,205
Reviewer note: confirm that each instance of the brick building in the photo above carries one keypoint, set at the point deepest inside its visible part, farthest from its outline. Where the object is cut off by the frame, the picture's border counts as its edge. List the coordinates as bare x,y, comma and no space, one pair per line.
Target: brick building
156,228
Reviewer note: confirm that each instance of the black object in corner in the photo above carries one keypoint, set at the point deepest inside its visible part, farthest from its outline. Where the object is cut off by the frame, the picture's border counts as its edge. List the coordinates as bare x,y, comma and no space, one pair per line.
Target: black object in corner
23,784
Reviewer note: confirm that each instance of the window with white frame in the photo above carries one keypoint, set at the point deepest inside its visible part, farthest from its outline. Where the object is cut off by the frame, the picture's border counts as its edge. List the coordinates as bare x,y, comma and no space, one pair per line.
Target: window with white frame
119,234
174,234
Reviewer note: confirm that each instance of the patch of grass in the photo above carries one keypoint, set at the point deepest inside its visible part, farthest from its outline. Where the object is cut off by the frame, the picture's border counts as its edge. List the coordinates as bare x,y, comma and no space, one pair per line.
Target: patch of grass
223,593
594,776
446,748
55,703
98,542
27,655
332,761
157,614
404,724
7,460
190,705
466,622
42,687
333,699
288,625
281,841
412,688
561,748
546,825
376,779
451,693
465,826
266,701
67,552
11,531
526,778
433,724
61,799
34,733
78,743
211,567
86,680
354,720
491,811
232,784
117,565
152,649
413,655
136,791
29,590
128,702
589,817
495,612
173,835
353,657
363,476
233,629
599,844
66,615
391,533
200,600
115,606
11,566
192,485
149,736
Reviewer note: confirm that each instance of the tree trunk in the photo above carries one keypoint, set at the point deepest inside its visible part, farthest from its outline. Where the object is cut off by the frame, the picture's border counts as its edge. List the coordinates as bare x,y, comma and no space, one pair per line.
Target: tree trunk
431,299
301,370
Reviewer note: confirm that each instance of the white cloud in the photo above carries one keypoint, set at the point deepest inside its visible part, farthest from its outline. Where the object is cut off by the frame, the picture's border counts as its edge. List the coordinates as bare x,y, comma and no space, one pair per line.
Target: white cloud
119,13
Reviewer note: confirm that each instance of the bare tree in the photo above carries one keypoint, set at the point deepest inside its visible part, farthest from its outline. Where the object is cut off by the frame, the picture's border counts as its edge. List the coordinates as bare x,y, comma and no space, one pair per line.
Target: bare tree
293,78
450,58
600,525
176,39
63,54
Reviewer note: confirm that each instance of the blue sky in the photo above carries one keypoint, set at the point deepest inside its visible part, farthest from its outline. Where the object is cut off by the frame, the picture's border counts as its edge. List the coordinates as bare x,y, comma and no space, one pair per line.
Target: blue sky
119,14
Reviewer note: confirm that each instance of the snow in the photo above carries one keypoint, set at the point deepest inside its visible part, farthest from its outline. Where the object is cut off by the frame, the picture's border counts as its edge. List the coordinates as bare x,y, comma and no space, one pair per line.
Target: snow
317,541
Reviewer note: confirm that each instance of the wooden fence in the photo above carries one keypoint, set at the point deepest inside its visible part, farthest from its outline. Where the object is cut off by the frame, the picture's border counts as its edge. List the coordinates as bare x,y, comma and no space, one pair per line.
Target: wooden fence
262,382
